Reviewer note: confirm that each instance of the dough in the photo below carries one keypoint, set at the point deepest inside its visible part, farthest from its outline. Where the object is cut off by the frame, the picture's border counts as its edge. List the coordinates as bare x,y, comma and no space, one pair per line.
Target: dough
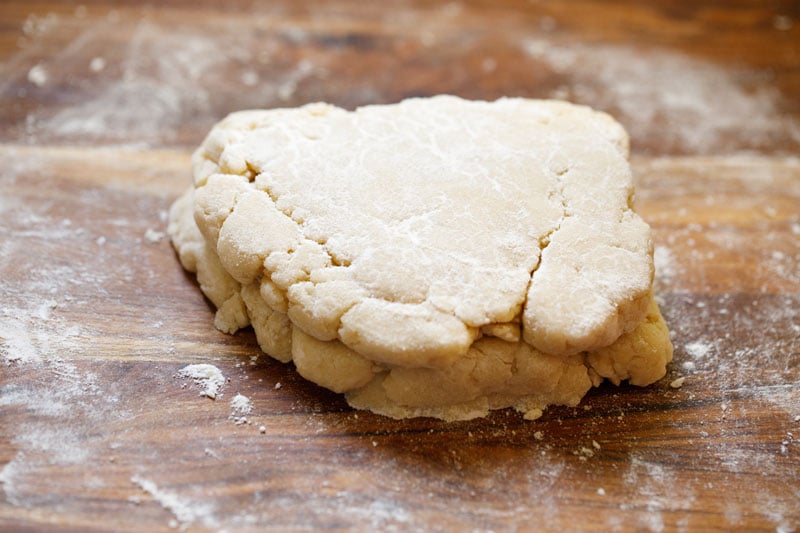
437,257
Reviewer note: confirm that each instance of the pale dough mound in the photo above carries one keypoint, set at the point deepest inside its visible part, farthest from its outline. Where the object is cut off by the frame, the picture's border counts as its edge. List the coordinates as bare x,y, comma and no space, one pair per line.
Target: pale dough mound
437,257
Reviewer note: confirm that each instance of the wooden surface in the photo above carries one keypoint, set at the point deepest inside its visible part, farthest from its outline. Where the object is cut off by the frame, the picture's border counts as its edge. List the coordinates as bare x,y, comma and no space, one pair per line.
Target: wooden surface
100,106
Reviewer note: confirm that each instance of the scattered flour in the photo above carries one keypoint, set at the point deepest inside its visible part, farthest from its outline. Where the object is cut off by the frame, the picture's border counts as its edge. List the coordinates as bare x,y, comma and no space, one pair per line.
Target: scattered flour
152,236
16,344
37,75
170,78
143,102
64,407
208,377
698,349
654,486
687,104
36,25
97,64
185,511
665,264
241,406
170,75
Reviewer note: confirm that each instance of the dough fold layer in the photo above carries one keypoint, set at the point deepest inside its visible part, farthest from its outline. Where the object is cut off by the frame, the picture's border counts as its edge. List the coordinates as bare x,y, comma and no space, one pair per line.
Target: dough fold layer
437,257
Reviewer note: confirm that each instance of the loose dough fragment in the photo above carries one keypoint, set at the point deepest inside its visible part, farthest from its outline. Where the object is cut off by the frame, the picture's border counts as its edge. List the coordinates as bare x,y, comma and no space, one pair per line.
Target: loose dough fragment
437,257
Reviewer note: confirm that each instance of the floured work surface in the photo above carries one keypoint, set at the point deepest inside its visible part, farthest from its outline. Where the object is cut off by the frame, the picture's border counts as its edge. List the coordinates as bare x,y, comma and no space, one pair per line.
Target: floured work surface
101,426
101,421
437,257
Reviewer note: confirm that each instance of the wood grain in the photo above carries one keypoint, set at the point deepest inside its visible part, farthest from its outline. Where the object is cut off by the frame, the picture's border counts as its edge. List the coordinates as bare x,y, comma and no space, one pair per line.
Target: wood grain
98,432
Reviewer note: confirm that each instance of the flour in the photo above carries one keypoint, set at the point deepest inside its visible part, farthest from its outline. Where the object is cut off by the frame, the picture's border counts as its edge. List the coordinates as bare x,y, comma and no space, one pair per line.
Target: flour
37,75
16,344
687,104
185,511
36,25
666,267
153,236
57,413
654,486
240,408
241,405
208,377
169,79
97,64
785,397
698,349
64,408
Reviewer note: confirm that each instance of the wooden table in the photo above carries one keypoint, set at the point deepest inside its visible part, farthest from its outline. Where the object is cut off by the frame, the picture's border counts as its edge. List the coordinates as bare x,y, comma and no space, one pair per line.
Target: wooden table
100,107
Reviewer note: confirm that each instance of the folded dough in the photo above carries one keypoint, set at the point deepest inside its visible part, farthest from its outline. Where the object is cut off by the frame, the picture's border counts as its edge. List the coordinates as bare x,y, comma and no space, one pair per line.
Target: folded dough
437,257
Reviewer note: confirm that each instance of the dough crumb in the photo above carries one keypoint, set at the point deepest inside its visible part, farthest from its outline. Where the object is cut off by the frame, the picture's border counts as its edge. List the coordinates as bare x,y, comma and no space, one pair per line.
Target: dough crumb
678,382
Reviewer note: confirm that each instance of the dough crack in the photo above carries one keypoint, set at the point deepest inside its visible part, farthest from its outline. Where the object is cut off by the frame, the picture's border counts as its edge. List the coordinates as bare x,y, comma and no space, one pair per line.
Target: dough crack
547,238
299,221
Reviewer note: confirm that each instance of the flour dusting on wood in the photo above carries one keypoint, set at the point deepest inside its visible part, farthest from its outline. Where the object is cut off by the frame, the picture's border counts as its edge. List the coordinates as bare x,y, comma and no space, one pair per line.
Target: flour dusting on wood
158,79
79,395
186,512
207,377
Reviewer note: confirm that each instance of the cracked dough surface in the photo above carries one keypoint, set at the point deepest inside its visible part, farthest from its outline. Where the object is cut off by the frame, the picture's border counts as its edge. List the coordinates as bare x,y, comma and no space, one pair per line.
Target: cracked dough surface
437,256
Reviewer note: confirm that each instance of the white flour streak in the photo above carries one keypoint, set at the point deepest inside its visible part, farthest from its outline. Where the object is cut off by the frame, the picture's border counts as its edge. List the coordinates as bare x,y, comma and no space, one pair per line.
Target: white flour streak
170,77
654,484
52,418
65,407
685,103
184,510
785,397
146,101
